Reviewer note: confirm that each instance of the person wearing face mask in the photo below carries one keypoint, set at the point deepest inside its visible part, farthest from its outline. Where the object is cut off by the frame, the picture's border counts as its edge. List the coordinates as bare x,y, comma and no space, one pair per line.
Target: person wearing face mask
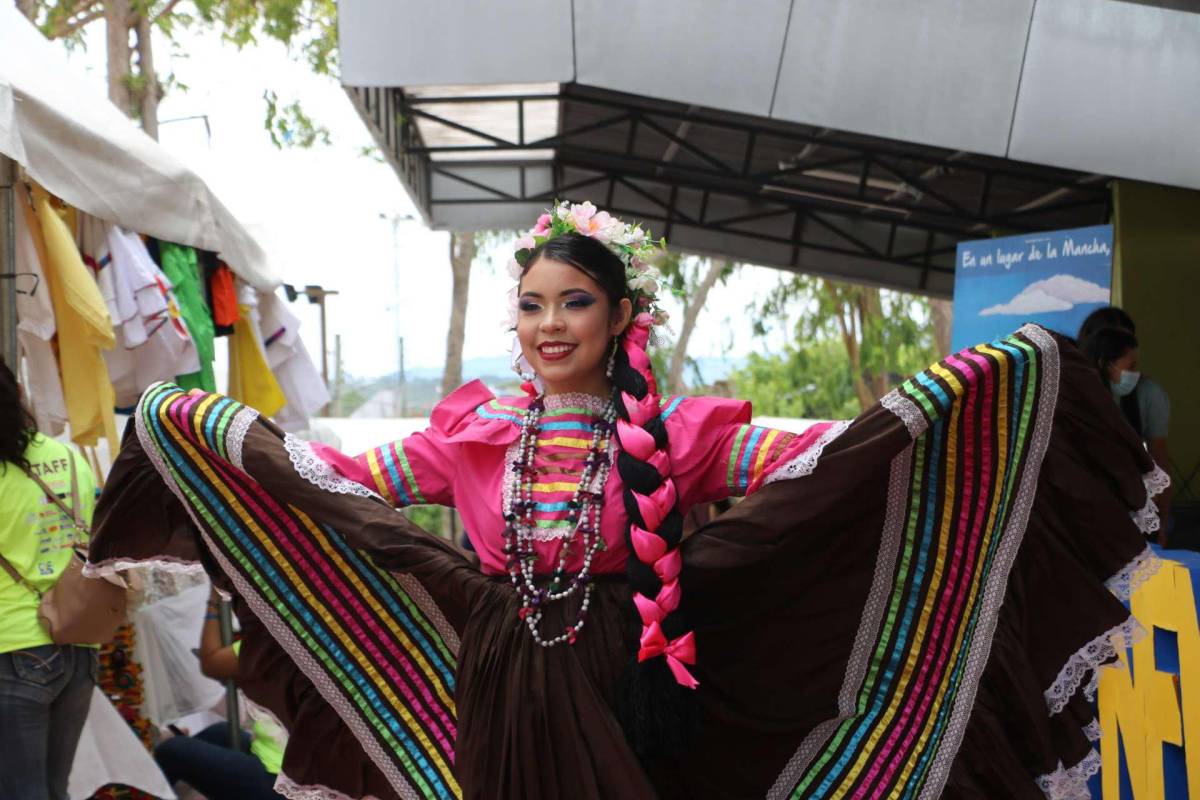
1143,403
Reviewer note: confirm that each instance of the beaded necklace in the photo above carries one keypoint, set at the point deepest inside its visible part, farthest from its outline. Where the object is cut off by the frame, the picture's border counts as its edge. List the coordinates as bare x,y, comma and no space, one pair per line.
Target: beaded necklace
583,509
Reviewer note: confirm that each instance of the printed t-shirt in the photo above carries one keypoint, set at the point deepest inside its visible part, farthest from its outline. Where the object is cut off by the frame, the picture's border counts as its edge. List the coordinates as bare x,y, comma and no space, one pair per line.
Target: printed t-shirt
36,536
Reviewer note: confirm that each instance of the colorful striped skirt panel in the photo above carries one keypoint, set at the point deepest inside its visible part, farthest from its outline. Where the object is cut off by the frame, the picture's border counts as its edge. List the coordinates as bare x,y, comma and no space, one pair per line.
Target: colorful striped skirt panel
372,642
958,503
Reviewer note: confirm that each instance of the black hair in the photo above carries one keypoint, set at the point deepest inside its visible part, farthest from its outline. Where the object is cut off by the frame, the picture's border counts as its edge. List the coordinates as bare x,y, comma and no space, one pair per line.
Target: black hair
658,714
1105,346
17,426
1106,317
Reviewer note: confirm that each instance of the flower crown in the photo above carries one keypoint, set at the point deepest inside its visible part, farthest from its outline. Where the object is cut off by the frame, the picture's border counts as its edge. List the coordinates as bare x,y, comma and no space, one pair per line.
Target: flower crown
630,243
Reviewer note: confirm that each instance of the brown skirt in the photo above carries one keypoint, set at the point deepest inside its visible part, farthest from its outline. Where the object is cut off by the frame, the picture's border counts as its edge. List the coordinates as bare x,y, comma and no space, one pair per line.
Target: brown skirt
920,614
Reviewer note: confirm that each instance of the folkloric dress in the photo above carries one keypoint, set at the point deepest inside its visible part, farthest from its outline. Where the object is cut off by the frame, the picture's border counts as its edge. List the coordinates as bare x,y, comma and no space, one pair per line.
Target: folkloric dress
908,605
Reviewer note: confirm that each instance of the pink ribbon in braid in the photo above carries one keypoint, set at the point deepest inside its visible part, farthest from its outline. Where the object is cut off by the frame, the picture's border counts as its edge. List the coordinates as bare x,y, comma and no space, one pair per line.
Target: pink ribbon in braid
678,652
651,549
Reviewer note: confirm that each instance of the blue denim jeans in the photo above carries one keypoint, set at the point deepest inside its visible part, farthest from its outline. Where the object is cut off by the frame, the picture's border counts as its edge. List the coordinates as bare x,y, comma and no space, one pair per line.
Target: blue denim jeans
45,693
209,765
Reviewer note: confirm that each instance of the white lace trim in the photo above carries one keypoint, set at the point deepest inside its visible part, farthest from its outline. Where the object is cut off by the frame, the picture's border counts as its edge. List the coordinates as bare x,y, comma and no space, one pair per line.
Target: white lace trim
590,402
1134,574
1070,783
1088,659
316,471
806,462
236,435
112,566
1156,482
1093,731
420,595
288,788
906,410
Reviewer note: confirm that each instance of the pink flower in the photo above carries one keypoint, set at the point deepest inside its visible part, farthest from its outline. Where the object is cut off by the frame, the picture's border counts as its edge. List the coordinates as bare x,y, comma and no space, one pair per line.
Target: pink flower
543,225
588,221
526,242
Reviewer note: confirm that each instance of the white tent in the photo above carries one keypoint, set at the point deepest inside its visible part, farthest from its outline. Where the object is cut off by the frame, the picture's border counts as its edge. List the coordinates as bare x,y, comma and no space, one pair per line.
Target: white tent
81,148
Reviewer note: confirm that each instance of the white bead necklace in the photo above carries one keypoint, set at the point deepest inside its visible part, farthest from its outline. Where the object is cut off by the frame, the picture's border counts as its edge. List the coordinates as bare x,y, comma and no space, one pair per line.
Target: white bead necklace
583,509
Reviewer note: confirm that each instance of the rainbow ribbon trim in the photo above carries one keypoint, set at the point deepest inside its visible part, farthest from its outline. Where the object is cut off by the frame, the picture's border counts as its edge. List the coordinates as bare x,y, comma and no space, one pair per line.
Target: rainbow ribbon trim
372,648
958,510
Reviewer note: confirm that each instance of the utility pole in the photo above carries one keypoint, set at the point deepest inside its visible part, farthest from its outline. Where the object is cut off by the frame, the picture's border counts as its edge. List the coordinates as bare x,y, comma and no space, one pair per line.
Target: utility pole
316,295
8,263
337,380
402,388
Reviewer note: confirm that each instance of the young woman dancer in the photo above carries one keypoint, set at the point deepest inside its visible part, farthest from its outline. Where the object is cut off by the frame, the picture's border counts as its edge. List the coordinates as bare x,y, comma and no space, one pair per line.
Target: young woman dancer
910,604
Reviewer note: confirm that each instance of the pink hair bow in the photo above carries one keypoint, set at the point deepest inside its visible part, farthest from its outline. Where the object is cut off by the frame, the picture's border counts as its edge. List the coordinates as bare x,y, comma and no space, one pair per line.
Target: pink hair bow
678,652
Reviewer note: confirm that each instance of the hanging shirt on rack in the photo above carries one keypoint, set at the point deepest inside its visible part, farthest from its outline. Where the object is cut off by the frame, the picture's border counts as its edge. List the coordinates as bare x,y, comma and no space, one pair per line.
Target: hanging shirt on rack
84,330
289,360
250,379
153,342
180,265
35,326
221,293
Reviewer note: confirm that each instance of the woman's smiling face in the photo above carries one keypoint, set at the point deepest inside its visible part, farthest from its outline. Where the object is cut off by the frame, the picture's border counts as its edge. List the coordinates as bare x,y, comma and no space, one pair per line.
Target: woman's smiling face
566,324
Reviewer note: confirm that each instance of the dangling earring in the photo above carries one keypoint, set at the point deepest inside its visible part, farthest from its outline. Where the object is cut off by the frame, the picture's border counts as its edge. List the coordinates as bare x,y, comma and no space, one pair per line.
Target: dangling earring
520,364
612,358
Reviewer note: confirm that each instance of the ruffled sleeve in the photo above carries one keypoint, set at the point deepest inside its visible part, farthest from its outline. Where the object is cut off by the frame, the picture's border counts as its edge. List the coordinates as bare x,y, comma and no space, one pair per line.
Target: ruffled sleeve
716,452
421,468
714,449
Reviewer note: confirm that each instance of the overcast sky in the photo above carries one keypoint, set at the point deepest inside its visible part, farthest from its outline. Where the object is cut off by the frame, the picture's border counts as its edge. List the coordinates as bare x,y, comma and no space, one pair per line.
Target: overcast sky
325,214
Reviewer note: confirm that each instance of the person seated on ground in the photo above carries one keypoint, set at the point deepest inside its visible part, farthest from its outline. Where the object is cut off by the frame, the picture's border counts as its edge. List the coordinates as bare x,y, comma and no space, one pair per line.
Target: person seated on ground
206,761
1144,403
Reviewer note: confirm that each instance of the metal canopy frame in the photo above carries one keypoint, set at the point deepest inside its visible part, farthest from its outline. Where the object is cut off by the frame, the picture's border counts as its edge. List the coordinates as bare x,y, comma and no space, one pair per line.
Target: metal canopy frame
758,190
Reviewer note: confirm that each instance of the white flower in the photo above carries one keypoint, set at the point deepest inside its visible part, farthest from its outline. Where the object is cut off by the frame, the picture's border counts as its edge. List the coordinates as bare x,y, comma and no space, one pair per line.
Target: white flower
514,269
644,283
616,231
633,236
526,242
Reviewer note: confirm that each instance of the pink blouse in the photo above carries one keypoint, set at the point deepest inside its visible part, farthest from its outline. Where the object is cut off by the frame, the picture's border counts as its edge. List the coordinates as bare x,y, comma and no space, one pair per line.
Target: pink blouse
464,460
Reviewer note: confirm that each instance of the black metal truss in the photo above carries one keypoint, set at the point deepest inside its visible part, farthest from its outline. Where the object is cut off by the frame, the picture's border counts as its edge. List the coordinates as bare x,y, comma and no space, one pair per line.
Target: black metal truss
795,185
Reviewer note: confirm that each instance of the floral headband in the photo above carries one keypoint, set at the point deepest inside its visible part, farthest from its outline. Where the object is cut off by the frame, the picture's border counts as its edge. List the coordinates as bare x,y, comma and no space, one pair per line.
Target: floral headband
630,243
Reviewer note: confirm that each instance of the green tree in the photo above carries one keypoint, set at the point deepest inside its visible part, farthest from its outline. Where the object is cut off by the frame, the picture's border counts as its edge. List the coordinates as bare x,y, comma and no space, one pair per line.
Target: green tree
885,335
307,27
690,278
810,381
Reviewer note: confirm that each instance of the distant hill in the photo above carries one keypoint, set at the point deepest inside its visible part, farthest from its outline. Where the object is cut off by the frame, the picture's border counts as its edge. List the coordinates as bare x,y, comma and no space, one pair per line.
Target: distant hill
375,397
711,368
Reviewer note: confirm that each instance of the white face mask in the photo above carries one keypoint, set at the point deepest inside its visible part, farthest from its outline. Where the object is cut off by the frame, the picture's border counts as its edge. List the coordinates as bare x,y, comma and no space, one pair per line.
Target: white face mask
1127,383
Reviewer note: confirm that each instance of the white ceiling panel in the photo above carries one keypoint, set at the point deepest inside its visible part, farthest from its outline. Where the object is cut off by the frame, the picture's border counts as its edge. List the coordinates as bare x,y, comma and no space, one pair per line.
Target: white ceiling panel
416,42
717,53
1112,88
940,72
